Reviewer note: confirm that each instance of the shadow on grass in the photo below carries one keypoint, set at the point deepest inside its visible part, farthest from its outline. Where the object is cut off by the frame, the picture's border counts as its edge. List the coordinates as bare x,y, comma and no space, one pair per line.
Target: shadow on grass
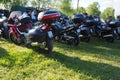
101,49
103,71
94,69
5,59
99,42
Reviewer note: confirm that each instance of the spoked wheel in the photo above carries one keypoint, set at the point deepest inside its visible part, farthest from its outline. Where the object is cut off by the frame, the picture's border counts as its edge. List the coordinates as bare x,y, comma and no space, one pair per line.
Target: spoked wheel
14,39
47,46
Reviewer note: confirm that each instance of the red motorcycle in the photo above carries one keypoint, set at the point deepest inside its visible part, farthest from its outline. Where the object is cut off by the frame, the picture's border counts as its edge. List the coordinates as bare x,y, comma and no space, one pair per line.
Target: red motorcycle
23,33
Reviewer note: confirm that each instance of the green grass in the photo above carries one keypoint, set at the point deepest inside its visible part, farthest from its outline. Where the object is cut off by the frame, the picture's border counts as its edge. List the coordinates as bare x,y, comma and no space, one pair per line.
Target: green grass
97,60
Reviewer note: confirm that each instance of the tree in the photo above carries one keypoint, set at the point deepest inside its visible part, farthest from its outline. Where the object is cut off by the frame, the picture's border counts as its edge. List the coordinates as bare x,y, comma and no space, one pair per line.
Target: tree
81,10
42,3
9,3
93,9
108,12
66,7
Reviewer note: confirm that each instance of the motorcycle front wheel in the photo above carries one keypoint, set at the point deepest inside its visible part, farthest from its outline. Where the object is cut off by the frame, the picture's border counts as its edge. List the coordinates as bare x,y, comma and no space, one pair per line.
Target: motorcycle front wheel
111,39
86,39
14,39
74,41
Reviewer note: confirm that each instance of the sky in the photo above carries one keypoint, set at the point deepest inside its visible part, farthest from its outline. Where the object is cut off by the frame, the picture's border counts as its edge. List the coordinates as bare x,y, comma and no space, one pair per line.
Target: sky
103,4
85,3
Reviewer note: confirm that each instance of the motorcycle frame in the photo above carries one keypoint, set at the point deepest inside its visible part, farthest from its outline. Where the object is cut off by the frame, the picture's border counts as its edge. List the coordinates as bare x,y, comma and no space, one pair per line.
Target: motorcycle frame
14,30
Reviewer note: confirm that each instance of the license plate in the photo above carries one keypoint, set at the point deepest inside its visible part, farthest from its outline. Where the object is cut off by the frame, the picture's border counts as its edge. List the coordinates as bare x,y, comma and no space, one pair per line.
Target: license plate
50,34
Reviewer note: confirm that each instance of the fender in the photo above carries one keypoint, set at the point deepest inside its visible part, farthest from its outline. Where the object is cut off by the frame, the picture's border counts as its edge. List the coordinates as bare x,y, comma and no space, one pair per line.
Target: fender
14,31
11,31
44,27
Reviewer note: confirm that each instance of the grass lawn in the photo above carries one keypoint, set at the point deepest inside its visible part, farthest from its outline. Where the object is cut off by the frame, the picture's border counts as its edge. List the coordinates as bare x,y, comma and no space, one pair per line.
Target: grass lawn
97,60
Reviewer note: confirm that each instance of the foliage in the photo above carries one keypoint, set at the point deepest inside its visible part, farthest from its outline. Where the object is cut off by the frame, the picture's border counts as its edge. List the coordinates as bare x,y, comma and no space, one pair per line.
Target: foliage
41,3
9,3
63,5
66,7
81,10
93,9
108,12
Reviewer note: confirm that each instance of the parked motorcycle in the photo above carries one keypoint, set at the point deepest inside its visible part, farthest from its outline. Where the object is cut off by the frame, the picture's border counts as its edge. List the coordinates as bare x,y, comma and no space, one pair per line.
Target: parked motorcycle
114,24
91,21
66,34
3,26
65,31
103,31
83,30
22,33
97,28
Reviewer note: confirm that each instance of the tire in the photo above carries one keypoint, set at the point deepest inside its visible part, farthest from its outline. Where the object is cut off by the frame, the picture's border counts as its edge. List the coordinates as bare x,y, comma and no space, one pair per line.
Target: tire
24,41
14,39
111,40
74,41
49,46
86,39
5,33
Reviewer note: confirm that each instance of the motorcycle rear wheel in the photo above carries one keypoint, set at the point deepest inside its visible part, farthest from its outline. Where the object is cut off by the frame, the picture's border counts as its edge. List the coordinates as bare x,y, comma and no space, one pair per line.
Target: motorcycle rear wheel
49,45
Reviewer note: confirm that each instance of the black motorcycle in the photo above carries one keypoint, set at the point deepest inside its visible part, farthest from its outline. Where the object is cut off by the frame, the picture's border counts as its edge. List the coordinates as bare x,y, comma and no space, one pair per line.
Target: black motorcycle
114,24
97,28
82,29
104,32
3,26
65,31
